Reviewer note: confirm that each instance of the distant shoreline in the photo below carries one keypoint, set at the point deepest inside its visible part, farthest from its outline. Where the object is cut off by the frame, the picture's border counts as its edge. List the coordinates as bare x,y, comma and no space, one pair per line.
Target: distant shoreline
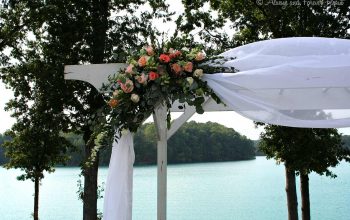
153,164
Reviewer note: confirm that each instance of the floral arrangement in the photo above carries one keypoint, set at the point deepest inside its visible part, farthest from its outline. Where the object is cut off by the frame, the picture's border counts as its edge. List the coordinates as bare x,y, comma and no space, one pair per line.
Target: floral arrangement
155,76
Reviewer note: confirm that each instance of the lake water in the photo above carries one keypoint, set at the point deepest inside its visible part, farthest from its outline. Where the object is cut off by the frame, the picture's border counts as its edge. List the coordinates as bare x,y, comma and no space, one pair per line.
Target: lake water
244,190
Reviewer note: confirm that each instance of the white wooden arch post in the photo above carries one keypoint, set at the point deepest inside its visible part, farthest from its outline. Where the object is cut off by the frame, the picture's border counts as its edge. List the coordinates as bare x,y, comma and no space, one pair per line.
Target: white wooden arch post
97,74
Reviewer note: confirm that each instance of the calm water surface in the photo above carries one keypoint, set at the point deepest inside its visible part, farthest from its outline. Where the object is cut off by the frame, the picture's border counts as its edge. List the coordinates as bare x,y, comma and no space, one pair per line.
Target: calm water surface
244,190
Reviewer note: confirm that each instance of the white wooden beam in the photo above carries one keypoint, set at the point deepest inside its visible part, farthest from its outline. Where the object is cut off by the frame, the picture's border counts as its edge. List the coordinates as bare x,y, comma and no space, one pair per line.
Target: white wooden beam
95,74
189,111
160,116
177,123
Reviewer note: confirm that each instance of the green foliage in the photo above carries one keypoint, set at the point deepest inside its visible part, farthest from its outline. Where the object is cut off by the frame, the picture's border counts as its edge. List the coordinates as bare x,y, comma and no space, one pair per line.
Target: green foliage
304,150
194,142
35,148
346,141
254,21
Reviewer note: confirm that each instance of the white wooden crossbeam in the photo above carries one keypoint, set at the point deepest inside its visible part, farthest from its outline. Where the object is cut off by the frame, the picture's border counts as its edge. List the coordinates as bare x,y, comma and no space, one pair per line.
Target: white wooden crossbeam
97,75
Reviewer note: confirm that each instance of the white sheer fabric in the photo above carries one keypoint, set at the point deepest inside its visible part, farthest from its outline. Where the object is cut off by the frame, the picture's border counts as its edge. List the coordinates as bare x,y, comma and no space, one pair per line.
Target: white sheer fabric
297,82
118,192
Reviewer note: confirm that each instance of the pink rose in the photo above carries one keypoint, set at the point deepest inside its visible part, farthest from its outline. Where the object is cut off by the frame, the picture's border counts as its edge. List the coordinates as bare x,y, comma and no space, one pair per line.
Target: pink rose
129,69
175,54
164,58
142,79
150,51
153,75
128,86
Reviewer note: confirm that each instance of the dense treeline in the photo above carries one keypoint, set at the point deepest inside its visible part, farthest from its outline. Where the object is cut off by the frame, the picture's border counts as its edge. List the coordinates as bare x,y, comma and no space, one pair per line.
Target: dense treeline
194,142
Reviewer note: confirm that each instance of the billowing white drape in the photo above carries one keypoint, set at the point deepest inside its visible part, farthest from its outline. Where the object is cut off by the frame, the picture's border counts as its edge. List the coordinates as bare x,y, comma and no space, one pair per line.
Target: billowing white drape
118,192
297,82
300,82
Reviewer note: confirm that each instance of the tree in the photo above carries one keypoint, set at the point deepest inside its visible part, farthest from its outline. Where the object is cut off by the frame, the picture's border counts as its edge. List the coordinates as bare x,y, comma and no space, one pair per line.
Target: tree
303,151
253,21
35,148
193,143
59,32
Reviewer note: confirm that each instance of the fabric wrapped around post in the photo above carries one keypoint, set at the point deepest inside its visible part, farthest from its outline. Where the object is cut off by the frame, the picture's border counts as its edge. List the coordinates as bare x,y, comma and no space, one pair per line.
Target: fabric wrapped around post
297,82
118,192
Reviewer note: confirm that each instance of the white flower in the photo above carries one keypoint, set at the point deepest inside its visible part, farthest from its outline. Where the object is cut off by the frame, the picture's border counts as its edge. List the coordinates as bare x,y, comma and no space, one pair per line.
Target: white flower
198,73
135,98
185,49
116,93
125,132
189,80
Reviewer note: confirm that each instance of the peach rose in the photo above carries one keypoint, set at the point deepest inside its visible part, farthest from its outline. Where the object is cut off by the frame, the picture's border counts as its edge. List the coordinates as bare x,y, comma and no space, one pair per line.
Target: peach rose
113,103
176,68
199,56
116,93
142,61
188,67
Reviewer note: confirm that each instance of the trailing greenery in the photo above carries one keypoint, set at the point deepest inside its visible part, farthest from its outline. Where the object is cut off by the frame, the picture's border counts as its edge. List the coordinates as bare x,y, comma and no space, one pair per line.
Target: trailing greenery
194,142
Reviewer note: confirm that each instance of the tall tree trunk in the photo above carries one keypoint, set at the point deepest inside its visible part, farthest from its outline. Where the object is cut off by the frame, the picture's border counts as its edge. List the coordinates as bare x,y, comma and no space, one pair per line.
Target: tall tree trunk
305,197
291,191
100,13
36,198
90,184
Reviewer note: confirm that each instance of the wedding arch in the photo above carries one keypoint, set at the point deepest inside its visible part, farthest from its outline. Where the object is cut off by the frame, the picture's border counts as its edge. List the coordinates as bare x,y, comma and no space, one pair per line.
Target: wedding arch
297,82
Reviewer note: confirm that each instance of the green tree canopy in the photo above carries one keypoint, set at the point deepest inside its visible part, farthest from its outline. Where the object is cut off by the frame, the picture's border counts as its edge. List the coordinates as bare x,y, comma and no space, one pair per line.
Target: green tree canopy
305,150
